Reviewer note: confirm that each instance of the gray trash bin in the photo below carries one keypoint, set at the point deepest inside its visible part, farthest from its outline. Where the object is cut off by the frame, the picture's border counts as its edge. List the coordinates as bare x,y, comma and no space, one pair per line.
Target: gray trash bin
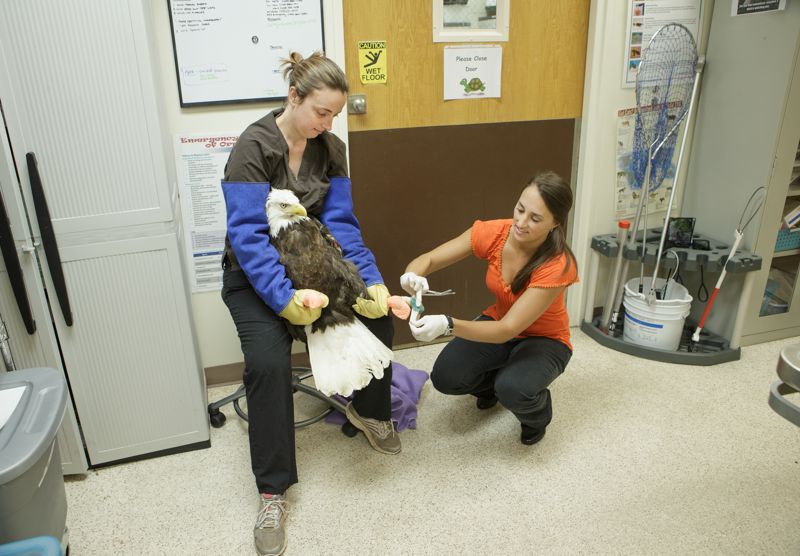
32,497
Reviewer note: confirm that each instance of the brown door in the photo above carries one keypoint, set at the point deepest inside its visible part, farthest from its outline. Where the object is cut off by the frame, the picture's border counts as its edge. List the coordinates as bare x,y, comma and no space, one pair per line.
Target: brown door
424,169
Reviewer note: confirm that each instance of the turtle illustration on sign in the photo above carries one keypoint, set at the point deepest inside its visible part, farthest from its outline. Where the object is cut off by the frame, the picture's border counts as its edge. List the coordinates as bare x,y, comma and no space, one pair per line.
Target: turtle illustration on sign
474,85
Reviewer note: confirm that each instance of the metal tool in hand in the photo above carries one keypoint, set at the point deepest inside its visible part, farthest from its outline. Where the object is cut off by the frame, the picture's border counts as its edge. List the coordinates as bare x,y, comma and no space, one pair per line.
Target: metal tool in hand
416,302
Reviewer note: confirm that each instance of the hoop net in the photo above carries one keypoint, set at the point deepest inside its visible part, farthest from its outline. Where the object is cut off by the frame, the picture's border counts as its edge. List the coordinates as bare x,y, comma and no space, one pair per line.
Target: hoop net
663,92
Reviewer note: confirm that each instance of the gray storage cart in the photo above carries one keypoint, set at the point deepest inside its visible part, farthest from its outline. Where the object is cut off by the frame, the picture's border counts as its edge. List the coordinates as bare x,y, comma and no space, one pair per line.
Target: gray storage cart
32,497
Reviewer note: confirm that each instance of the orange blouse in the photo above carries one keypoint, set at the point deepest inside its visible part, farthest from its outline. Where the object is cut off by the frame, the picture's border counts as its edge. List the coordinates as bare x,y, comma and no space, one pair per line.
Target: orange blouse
488,239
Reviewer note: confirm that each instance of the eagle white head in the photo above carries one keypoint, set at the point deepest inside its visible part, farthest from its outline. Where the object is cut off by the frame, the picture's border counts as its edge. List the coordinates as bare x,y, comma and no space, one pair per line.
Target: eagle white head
283,209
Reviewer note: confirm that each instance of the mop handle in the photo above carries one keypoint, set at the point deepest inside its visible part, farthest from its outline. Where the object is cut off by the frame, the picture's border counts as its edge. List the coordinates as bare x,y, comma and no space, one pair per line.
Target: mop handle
619,291
622,237
637,217
702,323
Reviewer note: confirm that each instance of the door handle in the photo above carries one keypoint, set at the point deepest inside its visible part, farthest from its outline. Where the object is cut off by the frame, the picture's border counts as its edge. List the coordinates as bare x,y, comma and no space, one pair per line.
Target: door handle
14,270
48,238
30,248
357,104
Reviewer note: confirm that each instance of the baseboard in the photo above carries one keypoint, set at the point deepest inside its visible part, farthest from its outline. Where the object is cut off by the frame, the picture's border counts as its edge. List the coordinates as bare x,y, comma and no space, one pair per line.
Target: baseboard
222,375
769,336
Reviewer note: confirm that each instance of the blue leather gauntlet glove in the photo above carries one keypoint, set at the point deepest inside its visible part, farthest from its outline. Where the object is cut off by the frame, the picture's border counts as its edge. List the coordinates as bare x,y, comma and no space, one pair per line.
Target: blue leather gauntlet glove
248,232
337,215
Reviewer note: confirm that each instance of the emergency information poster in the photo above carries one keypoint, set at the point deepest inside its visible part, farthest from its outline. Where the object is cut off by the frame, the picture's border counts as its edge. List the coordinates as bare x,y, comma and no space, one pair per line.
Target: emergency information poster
200,163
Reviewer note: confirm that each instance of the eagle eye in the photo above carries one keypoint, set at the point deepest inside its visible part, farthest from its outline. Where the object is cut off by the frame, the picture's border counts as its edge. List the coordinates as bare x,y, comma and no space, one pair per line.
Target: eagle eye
284,205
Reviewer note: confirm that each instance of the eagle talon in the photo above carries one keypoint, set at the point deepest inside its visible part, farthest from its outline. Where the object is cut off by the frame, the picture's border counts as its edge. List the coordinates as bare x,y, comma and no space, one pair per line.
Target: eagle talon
313,299
400,306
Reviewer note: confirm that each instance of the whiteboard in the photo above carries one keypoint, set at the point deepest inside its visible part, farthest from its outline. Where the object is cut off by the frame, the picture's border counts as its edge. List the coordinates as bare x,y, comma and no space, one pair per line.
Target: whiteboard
230,51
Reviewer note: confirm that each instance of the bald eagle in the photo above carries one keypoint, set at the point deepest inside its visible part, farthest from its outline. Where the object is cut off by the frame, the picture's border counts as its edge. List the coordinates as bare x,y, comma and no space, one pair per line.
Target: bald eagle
344,354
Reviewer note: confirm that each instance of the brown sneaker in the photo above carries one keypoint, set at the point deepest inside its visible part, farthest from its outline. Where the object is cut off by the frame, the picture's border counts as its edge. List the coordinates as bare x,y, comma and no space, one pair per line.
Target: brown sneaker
380,434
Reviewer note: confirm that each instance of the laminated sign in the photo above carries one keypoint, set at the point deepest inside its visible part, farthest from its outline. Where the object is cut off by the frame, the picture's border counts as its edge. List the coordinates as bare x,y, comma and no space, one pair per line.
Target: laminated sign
472,71
372,61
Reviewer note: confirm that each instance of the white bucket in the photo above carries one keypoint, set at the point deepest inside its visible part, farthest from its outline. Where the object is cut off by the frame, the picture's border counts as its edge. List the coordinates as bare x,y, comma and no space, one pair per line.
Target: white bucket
659,325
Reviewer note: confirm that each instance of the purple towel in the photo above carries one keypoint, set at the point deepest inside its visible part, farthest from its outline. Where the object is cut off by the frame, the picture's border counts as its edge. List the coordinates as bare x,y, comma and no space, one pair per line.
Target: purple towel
406,387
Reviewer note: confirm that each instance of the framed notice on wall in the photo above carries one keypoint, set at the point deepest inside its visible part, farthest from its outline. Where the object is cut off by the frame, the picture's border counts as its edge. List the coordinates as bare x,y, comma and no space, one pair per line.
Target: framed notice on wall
748,7
229,52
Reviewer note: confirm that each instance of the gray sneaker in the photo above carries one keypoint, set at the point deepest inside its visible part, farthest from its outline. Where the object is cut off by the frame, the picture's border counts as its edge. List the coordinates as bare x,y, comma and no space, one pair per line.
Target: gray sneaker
269,533
380,434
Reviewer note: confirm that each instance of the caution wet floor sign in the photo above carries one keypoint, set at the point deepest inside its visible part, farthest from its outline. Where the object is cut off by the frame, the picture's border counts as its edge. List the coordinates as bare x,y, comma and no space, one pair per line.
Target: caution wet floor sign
372,61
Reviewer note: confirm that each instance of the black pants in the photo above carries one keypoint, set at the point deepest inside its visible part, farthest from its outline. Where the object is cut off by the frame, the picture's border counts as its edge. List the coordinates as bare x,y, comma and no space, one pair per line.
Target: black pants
518,372
266,346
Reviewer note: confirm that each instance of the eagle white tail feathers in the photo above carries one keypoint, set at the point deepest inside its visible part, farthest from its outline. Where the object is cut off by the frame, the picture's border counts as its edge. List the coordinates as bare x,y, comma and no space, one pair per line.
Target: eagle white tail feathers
345,357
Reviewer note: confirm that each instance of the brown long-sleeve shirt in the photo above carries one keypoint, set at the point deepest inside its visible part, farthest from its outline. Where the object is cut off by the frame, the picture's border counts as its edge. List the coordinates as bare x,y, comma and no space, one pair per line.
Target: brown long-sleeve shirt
261,154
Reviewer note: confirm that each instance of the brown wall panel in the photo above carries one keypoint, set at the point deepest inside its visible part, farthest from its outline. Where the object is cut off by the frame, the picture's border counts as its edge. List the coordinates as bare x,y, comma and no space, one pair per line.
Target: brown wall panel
416,188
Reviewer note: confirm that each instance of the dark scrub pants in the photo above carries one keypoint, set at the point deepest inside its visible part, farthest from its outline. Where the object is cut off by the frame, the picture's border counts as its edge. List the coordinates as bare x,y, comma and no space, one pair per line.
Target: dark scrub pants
518,372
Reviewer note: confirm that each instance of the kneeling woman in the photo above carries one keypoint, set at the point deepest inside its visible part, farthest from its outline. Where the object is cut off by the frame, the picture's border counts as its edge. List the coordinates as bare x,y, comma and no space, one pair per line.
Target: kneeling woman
518,346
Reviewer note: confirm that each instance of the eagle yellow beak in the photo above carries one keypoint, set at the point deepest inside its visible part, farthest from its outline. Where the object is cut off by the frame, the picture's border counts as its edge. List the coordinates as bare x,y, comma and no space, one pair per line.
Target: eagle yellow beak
298,209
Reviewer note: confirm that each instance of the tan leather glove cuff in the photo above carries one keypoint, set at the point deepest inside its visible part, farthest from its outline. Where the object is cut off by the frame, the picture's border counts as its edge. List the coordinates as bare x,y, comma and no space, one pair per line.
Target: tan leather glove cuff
377,306
298,314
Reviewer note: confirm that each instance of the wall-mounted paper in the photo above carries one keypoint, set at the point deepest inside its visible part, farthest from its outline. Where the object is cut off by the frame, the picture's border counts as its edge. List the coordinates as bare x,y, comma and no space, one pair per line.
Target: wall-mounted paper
645,17
231,51
749,7
372,62
472,72
200,163
626,197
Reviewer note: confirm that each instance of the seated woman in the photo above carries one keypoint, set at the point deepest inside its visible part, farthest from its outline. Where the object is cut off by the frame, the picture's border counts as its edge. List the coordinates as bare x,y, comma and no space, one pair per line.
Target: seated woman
293,148
519,345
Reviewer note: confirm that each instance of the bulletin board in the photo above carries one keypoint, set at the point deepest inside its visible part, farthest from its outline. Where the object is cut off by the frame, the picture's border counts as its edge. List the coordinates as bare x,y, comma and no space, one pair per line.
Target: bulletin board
230,52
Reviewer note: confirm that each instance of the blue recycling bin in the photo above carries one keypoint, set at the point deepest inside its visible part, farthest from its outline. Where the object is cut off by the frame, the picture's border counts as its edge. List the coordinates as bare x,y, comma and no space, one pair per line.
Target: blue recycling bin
37,546
33,502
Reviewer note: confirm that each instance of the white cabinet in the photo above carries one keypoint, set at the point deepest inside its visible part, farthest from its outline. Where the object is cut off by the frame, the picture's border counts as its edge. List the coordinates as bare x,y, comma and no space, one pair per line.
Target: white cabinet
774,310
77,90
746,135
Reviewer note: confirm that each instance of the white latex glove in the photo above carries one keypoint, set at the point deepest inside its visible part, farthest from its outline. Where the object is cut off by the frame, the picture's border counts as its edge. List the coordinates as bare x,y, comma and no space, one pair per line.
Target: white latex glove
413,283
428,327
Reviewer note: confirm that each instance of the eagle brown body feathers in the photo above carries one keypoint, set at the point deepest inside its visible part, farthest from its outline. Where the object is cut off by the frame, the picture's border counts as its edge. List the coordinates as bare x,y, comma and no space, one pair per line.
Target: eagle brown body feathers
313,260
